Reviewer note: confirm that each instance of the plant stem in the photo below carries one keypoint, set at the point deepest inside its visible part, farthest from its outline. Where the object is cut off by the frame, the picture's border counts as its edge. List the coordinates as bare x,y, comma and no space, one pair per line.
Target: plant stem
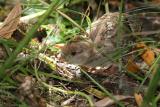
64,91
149,96
103,89
30,34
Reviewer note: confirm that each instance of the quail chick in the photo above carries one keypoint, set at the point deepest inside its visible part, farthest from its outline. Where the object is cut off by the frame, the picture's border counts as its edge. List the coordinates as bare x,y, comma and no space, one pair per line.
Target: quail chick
101,41
83,52
103,30
90,51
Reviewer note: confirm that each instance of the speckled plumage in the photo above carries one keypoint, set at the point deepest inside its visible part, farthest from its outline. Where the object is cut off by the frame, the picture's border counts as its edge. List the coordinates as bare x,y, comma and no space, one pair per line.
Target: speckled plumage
89,51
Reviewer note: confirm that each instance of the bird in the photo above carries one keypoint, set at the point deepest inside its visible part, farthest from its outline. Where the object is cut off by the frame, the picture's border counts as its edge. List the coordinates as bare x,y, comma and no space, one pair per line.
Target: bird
92,50
97,48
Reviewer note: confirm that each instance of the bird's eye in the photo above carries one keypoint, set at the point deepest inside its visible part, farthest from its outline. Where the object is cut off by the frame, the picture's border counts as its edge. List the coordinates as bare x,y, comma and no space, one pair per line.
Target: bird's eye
73,53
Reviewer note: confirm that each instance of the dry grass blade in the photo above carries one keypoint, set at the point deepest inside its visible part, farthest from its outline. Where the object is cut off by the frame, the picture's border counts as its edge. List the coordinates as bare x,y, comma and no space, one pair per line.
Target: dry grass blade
107,102
11,22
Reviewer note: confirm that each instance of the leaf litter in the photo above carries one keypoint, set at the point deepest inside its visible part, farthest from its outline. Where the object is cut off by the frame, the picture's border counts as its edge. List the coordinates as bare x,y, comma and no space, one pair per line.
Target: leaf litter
138,60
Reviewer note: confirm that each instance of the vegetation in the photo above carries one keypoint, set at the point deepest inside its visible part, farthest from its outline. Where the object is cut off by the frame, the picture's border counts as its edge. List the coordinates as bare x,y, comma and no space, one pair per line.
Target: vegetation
36,38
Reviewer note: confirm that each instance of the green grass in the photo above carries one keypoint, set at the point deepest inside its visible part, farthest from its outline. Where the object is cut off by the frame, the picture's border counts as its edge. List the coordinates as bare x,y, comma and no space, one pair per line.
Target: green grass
68,16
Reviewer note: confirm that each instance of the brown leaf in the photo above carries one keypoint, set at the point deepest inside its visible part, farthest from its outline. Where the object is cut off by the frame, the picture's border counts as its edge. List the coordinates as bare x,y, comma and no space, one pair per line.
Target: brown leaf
138,98
140,45
148,57
11,22
132,66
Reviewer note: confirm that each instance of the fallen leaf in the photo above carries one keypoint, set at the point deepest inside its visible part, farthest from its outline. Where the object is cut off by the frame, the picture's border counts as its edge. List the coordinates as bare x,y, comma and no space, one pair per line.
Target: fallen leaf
148,57
138,98
107,102
131,65
11,22
140,45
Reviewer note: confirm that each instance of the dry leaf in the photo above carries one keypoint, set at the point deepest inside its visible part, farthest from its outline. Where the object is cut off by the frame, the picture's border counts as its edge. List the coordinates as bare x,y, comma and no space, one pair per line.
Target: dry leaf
140,45
11,22
138,98
131,65
148,57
